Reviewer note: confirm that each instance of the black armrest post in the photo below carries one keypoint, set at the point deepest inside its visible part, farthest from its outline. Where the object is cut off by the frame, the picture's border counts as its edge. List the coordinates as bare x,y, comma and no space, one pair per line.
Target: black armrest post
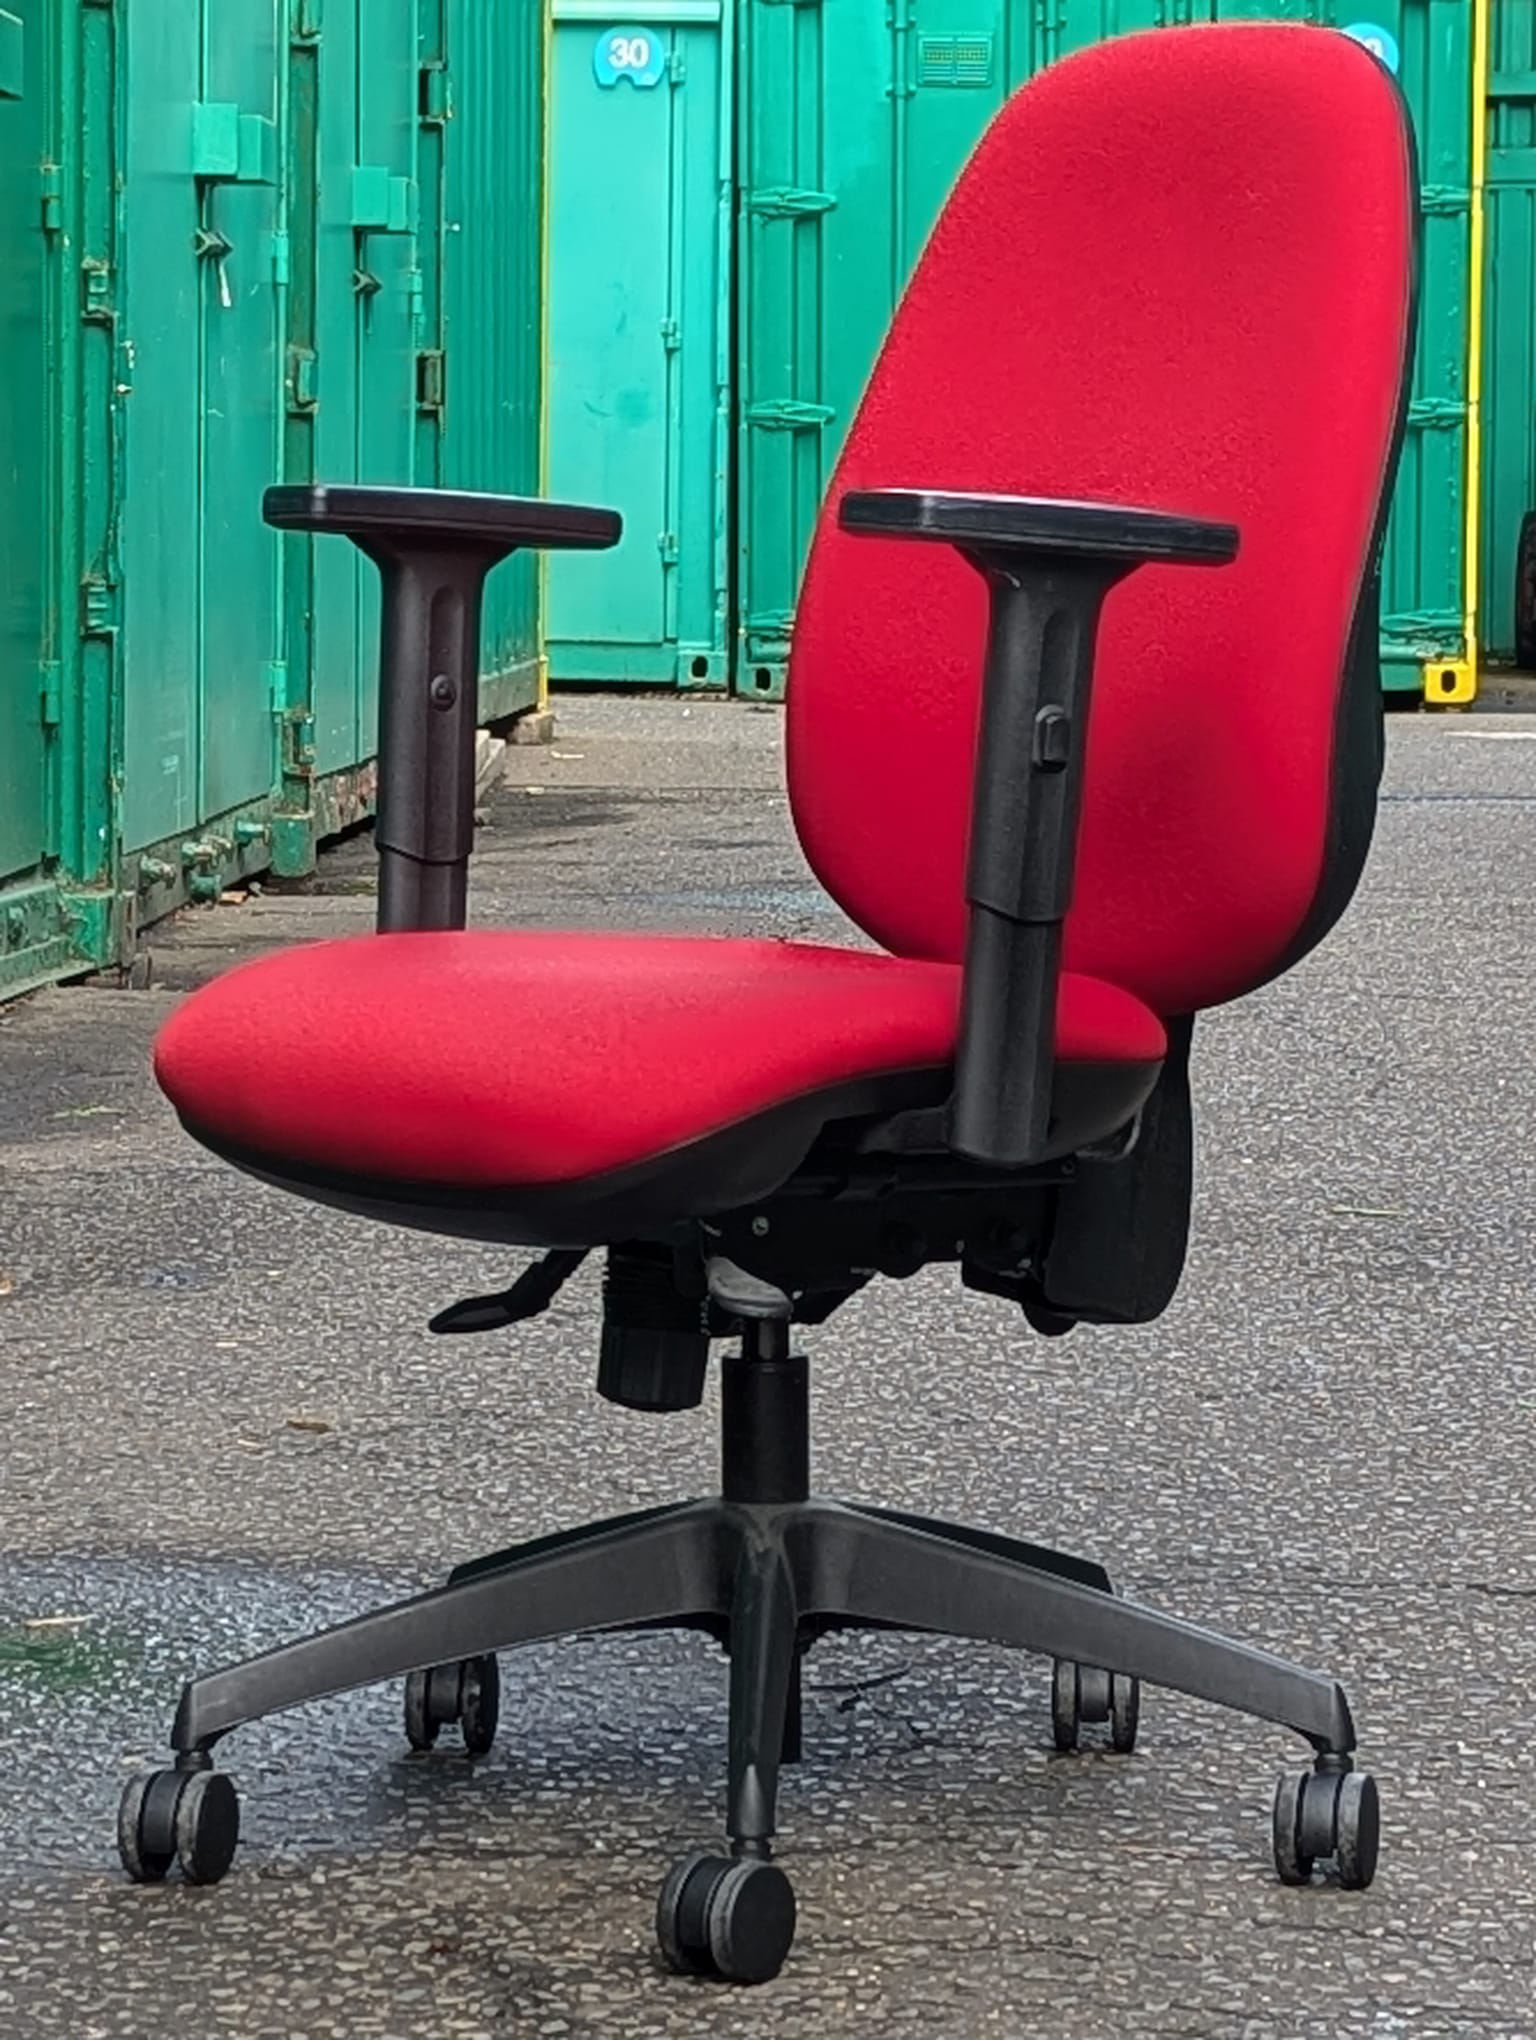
1036,689
434,549
429,698
1049,567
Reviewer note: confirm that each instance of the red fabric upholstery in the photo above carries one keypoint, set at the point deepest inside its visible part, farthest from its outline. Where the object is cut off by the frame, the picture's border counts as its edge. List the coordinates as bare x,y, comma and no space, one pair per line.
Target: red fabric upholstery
523,1059
1176,274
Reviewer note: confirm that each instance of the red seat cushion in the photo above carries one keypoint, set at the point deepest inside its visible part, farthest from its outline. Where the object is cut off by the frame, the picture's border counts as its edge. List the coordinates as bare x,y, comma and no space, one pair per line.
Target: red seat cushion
495,1059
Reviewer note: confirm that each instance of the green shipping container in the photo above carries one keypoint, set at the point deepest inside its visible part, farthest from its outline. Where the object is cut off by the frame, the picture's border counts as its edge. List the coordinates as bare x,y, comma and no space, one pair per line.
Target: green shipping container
244,240
856,119
639,335
28,938
1509,333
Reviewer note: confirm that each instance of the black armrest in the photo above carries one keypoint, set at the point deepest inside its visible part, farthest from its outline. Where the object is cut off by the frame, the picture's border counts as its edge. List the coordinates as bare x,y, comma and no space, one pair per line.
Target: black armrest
433,549
1049,567
400,520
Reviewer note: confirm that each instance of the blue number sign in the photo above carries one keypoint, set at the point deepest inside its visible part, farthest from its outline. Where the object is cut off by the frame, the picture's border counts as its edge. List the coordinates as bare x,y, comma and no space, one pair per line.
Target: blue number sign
633,53
1381,43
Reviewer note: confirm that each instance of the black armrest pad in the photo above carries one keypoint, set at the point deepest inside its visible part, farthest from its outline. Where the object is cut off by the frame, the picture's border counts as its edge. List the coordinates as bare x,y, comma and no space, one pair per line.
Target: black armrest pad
456,517
1027,524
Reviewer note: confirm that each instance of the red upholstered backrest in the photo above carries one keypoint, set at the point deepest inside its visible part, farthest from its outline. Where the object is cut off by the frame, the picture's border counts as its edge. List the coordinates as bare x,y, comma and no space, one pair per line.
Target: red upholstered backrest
1177,273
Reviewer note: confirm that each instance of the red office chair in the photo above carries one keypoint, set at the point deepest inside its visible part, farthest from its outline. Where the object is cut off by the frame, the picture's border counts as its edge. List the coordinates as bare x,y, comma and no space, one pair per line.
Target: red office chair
1178,271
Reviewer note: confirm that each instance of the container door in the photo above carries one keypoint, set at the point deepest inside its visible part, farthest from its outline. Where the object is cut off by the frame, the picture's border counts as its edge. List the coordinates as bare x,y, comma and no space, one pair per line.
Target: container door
1509,359
637,336
1427,43
491,375
241,411
386,215
23,442
200,432
368,297
340,285
857,122
169,273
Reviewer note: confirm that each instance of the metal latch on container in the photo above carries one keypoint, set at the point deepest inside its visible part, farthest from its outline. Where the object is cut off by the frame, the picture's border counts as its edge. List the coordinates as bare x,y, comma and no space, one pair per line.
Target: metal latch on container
96,289
303,381
98,606
210,245
431,378
788,202
785,414
13,55
382,203
434,102
231,147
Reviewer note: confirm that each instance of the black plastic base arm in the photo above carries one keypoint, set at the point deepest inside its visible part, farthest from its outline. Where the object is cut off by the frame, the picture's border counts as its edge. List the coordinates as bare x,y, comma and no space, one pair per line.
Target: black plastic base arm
773,1576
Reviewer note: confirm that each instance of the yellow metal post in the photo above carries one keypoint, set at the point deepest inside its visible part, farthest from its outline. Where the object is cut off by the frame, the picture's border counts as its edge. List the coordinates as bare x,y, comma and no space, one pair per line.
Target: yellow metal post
1454,684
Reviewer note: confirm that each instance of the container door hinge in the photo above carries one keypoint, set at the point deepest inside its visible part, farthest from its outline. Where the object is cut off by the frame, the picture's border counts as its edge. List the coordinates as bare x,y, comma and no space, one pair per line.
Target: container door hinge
305,21
677,68
98,607
277,686
52,694
785,414
1444,200
96,306
303,380
785,202
671,335
1426,413
667,546
298,727
434,99
282,258
431,379
51,181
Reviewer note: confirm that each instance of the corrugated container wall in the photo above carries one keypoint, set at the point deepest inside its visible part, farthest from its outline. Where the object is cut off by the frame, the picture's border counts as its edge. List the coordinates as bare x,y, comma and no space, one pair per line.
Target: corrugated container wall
856,120
244,241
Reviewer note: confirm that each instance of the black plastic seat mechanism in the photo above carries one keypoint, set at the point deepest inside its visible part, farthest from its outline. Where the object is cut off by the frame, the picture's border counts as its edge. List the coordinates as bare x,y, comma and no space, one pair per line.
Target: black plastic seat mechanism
767,1570
528,1297
1049,567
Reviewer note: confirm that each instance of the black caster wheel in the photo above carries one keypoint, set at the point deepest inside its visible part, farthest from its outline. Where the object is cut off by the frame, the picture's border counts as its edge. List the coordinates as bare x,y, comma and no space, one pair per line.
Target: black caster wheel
189,1818
1327,1814
1082,1696
732,1918
468,1693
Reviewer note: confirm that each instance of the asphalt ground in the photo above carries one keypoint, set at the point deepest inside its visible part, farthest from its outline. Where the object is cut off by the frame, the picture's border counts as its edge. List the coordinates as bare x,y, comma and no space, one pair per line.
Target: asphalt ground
225,1423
